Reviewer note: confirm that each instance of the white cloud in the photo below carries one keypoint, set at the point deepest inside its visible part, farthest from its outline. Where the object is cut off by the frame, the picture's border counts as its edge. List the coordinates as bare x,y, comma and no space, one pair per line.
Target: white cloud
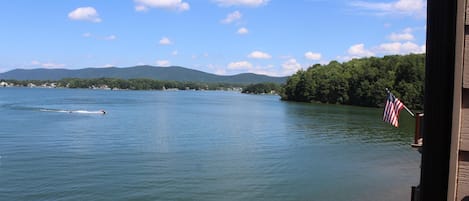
409,5
359,50
47,64
249,3
313,56
85,14
110,37
390,48
165,41
245,66
163,63
290,66
86,35
405,35
399,7
345,58
108,65
400,48
216,69
266,70
259,55
240,65
178,5
220,71
52,65
175,53
401,36
141,8
231,17
407,30
242,31
401,44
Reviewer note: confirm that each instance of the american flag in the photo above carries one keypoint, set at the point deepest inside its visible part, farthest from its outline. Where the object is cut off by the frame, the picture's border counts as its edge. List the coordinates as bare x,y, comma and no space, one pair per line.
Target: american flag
392,109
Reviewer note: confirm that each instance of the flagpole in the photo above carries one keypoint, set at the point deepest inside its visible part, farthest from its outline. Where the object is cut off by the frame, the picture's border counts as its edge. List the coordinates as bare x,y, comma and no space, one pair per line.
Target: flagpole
410,112
405,107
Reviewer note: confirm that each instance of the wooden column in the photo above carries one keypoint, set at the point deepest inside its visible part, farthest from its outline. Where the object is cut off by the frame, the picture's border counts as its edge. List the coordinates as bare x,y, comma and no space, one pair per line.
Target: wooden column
439,85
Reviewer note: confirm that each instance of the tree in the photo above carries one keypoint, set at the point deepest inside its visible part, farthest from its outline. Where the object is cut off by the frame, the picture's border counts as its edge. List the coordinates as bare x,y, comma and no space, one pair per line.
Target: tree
360,81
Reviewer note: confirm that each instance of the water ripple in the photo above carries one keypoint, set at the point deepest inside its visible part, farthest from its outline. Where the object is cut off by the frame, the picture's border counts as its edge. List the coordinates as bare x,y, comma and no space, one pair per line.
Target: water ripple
198,146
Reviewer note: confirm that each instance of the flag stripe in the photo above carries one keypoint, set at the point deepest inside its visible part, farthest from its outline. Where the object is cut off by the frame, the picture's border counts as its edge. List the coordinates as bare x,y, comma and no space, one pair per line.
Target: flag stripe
392,109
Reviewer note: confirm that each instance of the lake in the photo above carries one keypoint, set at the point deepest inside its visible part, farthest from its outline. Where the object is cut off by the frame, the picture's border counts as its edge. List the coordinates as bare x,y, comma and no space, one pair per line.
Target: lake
198,145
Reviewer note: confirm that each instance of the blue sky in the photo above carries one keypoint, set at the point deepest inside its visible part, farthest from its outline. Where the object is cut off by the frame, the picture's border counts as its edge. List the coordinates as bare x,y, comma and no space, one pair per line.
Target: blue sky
272,37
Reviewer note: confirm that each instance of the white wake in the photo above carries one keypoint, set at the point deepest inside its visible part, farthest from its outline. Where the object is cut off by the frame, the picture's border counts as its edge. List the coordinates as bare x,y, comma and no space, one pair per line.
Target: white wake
75,111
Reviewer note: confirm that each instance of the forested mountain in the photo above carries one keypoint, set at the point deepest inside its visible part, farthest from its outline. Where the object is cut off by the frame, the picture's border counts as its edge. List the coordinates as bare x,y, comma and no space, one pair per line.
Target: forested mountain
173,73
361,81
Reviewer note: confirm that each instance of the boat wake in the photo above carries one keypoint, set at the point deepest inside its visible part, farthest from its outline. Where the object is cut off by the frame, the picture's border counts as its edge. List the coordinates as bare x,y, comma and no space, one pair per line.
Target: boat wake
75,111
44,109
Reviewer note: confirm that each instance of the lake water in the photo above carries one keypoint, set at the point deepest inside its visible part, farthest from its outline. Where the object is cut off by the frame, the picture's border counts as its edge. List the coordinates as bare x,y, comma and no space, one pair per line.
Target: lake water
188,145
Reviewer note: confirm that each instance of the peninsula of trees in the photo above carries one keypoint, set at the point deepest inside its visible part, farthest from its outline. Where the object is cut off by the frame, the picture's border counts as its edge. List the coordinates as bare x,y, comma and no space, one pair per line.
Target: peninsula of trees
262,88
360,82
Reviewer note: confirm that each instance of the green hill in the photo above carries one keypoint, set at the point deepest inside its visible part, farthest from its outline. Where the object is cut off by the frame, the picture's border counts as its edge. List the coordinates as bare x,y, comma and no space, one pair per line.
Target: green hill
173,73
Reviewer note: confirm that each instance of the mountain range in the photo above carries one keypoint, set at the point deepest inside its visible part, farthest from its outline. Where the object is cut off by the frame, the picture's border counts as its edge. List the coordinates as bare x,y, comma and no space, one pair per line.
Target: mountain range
173,73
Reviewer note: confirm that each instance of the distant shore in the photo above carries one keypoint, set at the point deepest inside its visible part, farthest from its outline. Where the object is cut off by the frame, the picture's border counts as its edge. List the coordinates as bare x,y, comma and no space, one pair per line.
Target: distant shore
142,84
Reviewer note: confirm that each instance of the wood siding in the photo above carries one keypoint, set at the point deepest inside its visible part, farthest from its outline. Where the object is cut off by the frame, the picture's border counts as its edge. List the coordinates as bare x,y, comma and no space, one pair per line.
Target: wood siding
459,179
464,141
463,177
466,57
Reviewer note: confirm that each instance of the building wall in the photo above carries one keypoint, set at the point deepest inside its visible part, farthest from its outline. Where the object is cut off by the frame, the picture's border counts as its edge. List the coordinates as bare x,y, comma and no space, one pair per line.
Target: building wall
458,186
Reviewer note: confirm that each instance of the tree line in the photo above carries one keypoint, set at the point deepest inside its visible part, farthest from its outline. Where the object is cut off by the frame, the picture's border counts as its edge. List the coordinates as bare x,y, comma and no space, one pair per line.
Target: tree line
360,82
131,84
262,88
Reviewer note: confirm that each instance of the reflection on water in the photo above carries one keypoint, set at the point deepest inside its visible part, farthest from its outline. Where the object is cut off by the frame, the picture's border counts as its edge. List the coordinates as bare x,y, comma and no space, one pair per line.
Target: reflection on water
336,122
155,145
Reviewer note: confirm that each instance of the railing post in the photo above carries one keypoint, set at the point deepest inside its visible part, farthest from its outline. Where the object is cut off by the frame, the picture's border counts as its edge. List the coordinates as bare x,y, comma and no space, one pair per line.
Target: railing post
418,128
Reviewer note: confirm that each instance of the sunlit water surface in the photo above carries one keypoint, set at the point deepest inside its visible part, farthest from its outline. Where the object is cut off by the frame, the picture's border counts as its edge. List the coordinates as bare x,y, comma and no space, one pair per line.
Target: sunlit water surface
187,145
